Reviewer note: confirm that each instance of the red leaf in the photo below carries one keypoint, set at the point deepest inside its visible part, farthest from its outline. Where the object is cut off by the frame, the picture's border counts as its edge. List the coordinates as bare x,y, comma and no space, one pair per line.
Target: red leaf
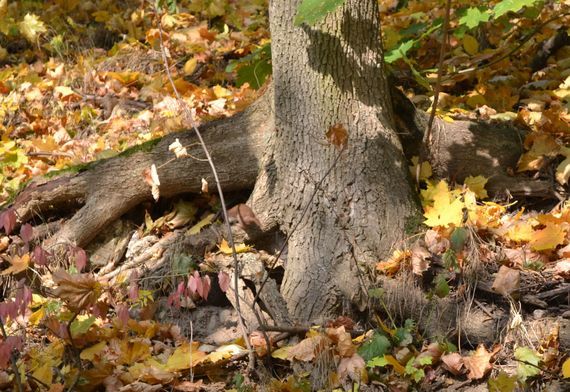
8,220
80,258
26,232
206,285
40,255
123,314
224,281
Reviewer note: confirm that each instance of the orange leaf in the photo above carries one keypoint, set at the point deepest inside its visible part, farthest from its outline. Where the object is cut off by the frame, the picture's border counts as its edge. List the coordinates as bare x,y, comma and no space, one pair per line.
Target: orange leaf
337,135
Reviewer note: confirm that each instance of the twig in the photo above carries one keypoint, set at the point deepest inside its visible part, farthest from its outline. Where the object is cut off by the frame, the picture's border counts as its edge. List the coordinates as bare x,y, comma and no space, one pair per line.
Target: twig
427,137
251,364
12,359
521,43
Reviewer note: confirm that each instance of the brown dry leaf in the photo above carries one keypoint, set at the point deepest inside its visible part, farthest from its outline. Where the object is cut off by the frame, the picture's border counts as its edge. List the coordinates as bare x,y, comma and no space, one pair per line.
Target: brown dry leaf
507,281
79,291
435,242
520,257
187,386
562,268
433,351
453,363
351,366
258,342
420,262
342,340
337,135
307,348
17,264
479,362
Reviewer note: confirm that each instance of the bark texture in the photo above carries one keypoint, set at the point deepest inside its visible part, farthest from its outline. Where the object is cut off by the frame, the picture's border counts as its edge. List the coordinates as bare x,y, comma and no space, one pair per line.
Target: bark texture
328,74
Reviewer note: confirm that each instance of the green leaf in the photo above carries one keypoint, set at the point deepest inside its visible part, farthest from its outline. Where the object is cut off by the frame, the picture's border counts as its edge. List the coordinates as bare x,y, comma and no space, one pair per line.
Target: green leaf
473,17
399,52
311,11
507,6
441,286
375,347
81,327
416,374
377,362
503,383
529,358
458,239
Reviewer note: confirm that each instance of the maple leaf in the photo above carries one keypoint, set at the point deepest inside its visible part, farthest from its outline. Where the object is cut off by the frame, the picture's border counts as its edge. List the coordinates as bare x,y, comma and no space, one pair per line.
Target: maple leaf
446,209
240,248
78,291
548,238
477,186
479,362
17,264
31,27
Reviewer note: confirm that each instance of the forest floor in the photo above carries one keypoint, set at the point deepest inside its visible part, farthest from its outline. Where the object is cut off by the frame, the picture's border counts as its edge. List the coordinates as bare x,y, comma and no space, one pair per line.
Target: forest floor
85,81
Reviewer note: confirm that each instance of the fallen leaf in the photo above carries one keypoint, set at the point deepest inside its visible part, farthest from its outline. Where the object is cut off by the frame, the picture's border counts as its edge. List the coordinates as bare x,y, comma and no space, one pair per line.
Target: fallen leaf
79,291
507,282
17,264
479,362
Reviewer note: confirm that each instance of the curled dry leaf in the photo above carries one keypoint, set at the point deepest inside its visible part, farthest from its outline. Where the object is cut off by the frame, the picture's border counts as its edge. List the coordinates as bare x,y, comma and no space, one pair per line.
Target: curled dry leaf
453,363
351,366
78,291
420,262
343,341
507,281
204,186
151,178
178,149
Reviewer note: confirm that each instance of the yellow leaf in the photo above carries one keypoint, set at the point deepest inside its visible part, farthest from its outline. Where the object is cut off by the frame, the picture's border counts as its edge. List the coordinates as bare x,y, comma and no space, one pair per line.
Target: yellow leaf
477,186
95,350
475,99
185,357
17,264
282,353
521,232
221,92
425,170
225,352
44,373
470,44
240,248
198,226
37,316
126,78
190,66
31,27
566,368
445,210
548,238
395,364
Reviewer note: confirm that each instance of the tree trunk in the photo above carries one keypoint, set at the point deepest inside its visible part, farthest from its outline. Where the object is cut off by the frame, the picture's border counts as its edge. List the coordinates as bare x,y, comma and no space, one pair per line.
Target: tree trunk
324,75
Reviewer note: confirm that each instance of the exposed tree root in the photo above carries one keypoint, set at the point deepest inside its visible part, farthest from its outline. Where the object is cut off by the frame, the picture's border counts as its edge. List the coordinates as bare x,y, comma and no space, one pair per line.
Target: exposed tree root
110,188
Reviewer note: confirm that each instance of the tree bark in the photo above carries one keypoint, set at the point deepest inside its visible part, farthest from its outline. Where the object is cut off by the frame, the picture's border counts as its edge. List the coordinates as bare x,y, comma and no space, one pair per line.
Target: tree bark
324,75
